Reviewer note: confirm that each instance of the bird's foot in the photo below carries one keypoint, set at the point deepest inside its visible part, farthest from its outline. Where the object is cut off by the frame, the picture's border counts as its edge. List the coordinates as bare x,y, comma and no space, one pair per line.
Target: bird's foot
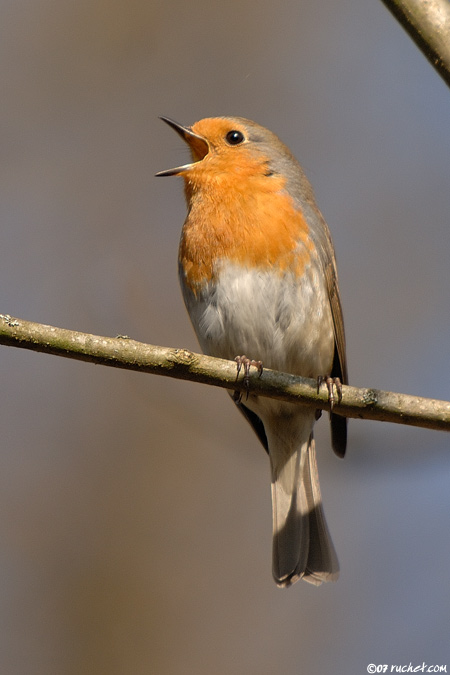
332,383
246,363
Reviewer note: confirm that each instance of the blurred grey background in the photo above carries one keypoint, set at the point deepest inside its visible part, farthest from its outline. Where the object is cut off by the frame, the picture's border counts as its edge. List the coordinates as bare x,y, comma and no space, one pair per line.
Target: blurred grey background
135,522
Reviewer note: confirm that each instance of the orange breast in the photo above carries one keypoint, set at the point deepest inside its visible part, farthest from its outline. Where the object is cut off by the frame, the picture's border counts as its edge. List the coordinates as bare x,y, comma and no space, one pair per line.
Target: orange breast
245,219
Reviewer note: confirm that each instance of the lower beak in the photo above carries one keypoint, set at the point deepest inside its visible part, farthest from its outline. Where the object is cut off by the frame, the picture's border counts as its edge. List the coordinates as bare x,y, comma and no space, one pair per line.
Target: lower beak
198,145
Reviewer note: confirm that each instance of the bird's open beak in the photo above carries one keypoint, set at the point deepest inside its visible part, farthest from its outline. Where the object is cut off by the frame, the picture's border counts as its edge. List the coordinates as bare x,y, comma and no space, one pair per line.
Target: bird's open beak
198,145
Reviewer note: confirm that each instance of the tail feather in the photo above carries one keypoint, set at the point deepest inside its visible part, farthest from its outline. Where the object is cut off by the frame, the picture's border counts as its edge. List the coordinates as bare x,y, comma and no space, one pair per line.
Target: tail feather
302,546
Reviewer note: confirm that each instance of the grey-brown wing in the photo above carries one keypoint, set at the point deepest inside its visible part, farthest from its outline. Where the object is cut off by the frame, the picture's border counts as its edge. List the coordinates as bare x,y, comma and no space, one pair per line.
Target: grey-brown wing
339,369
254,421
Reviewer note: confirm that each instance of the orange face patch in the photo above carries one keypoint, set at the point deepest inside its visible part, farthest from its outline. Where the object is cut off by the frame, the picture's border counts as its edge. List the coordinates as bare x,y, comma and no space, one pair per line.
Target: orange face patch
238,210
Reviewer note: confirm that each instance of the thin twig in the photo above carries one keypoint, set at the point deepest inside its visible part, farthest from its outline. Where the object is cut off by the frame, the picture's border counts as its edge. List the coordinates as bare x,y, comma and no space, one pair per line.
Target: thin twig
122,352
428,23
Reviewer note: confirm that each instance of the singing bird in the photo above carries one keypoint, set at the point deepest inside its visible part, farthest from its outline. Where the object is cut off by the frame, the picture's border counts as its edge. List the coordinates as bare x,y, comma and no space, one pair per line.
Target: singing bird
258,273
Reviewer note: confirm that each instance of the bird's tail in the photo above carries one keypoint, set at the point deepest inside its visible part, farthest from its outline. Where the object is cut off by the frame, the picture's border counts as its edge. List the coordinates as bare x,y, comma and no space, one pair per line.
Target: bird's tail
302,546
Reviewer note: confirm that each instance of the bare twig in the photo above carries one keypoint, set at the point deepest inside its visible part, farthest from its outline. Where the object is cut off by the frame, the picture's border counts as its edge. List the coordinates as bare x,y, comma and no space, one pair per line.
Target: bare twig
122,352
428,23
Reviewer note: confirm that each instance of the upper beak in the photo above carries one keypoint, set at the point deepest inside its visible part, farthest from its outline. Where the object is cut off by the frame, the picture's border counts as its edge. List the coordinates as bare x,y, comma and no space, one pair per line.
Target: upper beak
198,145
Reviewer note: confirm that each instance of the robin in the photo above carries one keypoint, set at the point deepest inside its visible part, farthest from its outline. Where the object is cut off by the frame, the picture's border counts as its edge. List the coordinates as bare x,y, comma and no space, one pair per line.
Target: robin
258,274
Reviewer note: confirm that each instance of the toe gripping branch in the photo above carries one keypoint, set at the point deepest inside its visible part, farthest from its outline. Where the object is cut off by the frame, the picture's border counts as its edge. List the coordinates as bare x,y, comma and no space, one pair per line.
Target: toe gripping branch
332,383
246,363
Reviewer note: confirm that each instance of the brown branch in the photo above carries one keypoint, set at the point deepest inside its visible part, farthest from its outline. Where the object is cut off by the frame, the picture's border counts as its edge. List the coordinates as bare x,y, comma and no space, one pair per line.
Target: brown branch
428,23
122,352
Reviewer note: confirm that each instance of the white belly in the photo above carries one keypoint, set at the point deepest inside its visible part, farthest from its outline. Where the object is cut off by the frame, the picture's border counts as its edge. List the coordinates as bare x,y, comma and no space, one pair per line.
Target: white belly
281,320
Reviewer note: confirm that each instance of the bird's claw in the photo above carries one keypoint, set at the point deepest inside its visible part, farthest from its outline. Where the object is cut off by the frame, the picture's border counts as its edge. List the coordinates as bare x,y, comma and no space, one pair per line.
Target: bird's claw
331,382
245,363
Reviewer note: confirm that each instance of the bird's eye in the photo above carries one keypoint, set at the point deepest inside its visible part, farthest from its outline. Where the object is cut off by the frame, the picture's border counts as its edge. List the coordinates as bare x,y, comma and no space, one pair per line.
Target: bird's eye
234,137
